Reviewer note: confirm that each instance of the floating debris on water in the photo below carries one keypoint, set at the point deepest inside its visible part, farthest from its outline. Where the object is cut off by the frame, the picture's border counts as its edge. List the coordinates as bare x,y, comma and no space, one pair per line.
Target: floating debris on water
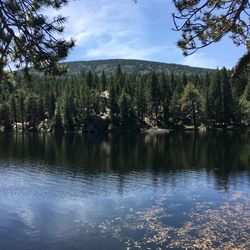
208,225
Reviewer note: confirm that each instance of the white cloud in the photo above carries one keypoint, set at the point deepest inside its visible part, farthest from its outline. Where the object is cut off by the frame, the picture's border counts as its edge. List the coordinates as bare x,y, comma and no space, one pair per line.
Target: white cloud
27,216
199,59
107,29
117,48
123,29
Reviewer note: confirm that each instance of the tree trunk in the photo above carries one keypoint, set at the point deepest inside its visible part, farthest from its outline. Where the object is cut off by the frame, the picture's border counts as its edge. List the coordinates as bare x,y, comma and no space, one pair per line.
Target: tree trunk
194,115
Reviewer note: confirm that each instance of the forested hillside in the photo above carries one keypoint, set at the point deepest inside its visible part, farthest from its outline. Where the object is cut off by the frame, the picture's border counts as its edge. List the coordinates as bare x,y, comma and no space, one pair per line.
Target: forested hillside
131,67
126,102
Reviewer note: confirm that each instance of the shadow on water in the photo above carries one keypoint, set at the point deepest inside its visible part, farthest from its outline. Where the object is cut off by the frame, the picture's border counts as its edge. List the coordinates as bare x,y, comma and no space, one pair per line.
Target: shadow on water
225,155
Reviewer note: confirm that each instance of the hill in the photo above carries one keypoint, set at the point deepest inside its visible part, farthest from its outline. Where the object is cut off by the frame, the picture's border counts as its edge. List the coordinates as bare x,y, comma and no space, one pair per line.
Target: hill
131,66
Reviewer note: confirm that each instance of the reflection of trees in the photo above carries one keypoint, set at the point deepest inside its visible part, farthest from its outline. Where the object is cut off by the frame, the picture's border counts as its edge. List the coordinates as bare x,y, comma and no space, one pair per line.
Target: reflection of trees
222,155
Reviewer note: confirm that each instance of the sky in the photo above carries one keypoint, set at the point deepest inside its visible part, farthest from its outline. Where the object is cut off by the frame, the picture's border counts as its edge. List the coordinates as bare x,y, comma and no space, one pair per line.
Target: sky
107,29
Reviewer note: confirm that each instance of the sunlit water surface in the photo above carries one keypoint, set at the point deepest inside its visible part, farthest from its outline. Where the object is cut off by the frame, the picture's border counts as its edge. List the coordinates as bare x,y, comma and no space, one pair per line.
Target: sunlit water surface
147,191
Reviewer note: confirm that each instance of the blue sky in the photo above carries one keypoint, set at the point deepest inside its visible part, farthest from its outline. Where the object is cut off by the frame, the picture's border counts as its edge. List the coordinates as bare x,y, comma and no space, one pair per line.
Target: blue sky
107,29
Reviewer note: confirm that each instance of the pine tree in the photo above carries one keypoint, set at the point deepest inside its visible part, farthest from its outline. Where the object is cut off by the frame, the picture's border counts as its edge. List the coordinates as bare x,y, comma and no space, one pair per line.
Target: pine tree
127,113
31,112
205,93
21,108
114,109
35,44
13,109
205,22
90,80
58,124
5,117
166,97
155,93
124,109
103,81
119,80
51,105
69,111
141,102
40,110
191,102
172,82
227,102
215,98
96,82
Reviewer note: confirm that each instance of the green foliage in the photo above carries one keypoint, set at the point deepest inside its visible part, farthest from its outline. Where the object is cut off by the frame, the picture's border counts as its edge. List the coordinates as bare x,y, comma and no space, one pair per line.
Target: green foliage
227,98
113,98
58,124
155,94
32,111
141,101
247,92
5,117
130,67
191,102
124,101
29,37
244,104
215,98
103,81
127,114
205,22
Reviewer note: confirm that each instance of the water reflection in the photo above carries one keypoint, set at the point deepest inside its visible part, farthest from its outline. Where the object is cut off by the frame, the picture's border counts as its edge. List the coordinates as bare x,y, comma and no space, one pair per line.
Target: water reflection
114,192
224,155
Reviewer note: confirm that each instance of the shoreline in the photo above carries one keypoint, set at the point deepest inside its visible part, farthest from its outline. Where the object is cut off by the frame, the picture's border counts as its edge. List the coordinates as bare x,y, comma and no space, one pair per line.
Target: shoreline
139,131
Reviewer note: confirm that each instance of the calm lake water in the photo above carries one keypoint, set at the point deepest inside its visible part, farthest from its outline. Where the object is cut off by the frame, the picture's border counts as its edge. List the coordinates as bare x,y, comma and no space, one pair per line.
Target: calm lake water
146,191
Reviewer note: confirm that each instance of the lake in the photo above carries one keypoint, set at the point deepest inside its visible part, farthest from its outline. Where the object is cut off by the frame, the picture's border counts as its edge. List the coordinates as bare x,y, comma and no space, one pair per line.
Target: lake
147,191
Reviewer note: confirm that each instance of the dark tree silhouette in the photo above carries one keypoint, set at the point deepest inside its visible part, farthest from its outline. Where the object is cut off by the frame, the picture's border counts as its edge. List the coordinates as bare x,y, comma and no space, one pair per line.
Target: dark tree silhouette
30,38
205,22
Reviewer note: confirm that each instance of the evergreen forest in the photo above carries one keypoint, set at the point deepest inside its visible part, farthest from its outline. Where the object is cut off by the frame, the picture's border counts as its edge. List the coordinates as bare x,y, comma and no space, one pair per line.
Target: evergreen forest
122,101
